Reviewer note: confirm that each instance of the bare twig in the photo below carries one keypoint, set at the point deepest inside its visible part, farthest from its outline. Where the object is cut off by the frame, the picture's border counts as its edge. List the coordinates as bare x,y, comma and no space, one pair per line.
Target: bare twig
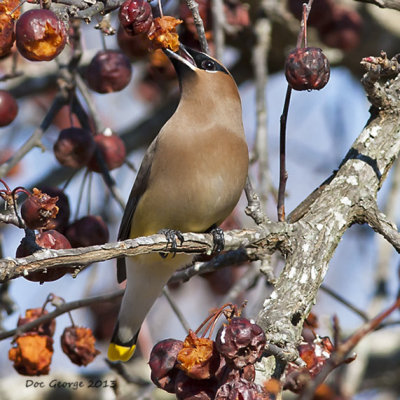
253,208
245,282
62,309
346,303
282,157
262,30
176,309
193,243
393,4
217,10
198,22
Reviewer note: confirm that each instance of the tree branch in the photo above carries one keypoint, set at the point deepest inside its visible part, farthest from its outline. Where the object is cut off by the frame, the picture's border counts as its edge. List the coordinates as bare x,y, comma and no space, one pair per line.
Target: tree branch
268,238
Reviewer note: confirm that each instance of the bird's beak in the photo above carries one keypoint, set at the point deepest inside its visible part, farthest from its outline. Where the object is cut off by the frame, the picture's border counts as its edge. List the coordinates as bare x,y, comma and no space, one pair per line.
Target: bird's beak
182,56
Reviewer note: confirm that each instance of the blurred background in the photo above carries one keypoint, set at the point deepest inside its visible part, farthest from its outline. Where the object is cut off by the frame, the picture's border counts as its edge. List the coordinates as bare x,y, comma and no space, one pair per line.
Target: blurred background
321,128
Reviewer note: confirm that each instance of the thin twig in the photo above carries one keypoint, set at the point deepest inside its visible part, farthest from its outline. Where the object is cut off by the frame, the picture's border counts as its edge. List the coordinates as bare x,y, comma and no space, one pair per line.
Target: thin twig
282,157
62,309
176,309
260,51
198,22
217,10
342,300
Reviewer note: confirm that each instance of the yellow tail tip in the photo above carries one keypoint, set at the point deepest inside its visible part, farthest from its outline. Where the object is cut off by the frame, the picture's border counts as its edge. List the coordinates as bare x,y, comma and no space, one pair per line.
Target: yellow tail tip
120,353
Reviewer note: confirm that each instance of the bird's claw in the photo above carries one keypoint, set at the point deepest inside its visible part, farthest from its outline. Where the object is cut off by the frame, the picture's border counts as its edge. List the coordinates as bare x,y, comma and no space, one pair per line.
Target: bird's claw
171,235
218,239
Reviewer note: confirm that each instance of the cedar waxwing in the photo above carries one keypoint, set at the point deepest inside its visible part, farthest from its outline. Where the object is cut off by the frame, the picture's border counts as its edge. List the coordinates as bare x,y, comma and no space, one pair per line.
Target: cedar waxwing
190,180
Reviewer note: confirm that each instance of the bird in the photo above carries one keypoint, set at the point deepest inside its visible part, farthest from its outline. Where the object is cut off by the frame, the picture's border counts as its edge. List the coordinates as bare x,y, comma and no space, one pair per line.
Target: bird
190,180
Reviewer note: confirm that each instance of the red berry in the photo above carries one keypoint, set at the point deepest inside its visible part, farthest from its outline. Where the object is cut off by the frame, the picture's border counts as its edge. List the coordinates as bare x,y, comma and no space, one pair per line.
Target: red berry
136,16
8,108
109,71
112,148
163,358
135,47
87,231
241,342
194,389
74,147
307,69
50,240
41,36
7,35
39,210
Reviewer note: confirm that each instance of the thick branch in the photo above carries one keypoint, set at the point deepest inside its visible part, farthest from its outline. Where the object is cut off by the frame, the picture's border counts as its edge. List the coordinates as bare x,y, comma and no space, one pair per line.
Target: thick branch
331,211
271,237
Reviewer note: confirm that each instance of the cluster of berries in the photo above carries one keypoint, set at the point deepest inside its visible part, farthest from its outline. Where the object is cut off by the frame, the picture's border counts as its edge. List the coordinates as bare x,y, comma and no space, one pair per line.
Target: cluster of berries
40,211
200,368
32,351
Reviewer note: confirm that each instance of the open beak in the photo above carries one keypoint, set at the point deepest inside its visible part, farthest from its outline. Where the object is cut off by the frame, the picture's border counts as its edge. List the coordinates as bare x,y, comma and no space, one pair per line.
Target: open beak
182,56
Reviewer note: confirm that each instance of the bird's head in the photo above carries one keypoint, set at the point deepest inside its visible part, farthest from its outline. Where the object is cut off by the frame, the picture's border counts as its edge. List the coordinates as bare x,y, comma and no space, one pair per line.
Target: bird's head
200,73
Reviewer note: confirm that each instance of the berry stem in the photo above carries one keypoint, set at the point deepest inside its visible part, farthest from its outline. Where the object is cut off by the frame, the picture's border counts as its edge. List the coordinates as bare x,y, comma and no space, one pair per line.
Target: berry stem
81,193
160,8
282,157
303,30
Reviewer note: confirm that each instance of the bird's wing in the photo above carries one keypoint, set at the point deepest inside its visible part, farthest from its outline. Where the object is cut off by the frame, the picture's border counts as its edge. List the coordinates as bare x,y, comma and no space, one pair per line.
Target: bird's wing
137,191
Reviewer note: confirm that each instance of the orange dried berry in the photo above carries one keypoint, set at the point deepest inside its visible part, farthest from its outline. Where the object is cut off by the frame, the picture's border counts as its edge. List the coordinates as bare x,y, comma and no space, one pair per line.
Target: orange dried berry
41,36
198,358
6,6
163,33
32,354
39,210
78,344
7,36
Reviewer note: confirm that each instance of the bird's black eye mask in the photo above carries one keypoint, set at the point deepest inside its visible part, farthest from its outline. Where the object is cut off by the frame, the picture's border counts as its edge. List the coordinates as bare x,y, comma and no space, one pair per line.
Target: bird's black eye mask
201,60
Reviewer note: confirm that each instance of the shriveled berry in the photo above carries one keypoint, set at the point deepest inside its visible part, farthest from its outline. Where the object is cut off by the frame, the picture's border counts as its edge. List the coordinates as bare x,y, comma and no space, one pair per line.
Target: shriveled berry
241,390
109,71
31,354
135,47
307,69
163,364
60,222
74,147
194,389
46,328
50,240
41,36
136,16
39,210
78,344
241,342
8,108
7,36
112,149
87,231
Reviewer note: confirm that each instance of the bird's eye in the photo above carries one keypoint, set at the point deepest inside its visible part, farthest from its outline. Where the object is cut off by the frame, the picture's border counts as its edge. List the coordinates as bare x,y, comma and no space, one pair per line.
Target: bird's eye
208,65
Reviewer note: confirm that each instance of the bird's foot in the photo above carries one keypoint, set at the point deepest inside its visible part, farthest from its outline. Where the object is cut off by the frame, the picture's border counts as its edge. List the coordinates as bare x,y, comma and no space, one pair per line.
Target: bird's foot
219,240
171,236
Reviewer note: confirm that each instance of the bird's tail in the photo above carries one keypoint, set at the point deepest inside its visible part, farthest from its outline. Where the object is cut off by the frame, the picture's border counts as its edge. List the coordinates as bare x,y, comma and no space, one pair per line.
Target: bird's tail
146,277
